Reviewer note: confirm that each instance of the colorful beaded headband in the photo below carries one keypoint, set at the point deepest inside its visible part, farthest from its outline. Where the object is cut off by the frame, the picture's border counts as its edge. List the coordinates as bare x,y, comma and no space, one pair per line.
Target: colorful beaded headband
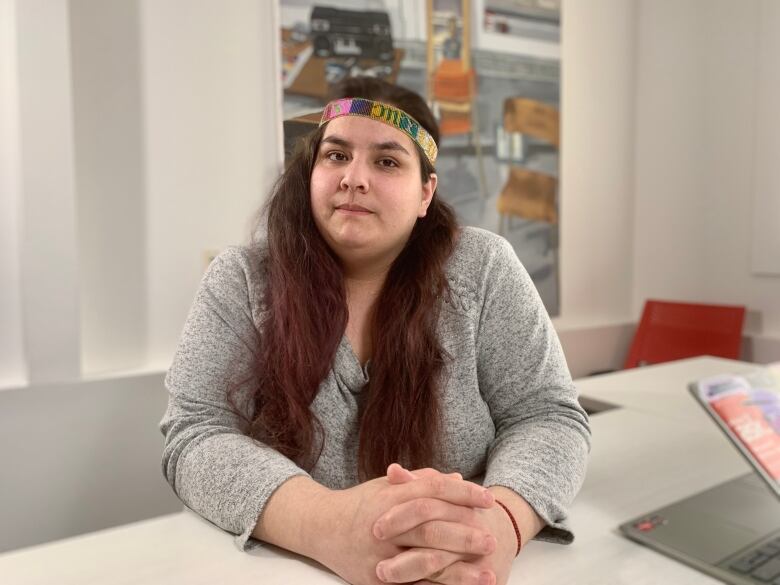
383,113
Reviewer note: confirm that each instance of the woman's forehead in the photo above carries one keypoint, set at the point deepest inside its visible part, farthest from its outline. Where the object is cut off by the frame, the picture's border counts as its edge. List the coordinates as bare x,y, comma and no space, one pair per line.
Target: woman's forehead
362,131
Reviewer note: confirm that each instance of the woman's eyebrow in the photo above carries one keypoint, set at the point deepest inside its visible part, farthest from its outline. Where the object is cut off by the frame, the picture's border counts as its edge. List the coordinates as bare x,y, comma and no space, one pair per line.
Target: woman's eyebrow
378,146
389,145
338,141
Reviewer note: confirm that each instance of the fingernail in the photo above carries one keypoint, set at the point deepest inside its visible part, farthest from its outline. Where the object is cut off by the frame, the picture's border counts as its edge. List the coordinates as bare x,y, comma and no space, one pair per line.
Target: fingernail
485,578
380,572
487,496
378,532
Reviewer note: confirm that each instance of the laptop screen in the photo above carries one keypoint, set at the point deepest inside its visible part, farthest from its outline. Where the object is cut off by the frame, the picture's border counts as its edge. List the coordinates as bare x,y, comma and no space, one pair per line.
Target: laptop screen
747,409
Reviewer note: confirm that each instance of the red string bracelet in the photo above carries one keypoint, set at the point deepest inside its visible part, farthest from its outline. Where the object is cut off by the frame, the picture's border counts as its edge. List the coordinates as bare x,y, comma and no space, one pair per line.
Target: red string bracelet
514,524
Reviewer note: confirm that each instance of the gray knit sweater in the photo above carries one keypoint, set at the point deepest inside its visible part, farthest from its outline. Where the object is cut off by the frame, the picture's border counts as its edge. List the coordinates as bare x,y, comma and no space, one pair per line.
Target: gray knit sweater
510,413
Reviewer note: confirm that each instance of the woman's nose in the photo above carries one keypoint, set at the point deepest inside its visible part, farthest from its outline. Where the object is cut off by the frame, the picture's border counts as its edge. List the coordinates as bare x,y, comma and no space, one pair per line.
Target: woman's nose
355,177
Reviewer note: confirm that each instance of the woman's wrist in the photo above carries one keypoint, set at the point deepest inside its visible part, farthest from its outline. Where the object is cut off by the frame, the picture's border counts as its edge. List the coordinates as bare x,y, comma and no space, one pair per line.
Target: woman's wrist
518,536
325,528
528,522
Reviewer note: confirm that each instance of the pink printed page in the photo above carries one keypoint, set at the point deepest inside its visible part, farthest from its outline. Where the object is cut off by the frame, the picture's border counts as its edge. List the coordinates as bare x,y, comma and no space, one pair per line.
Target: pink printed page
753,415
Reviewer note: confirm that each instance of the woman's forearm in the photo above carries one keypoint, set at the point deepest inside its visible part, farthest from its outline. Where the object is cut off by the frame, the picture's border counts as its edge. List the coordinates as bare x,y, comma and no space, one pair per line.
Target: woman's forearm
294,517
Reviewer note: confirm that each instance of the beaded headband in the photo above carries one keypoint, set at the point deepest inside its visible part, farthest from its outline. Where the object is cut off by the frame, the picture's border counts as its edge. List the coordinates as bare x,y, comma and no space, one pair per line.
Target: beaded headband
386,113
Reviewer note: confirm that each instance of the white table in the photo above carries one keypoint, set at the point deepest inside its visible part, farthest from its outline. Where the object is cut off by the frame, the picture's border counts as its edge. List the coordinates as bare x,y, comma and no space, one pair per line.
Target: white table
657,448
661,389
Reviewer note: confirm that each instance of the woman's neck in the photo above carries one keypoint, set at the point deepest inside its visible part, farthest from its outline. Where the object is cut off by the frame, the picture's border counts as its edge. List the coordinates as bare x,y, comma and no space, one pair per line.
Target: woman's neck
363,290
364,270
363,267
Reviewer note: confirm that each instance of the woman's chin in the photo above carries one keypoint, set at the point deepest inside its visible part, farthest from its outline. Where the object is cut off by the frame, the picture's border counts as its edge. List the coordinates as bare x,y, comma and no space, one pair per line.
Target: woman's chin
352,239
354,245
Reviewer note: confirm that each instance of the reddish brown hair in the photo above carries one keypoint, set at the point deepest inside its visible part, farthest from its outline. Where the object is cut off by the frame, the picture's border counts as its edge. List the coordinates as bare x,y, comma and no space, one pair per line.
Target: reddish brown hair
307,315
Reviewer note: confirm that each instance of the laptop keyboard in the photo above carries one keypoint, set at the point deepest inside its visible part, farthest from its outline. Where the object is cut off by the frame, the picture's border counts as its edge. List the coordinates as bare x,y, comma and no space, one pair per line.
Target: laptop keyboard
761,563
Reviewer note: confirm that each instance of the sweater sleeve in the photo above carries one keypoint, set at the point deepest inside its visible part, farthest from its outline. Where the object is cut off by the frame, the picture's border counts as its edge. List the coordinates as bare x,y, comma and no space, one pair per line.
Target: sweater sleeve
542,434
216,470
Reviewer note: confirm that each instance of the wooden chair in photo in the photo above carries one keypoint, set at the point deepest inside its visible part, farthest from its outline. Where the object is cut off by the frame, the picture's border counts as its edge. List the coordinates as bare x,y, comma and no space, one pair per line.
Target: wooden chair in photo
532,118
452,85
453,96
529,194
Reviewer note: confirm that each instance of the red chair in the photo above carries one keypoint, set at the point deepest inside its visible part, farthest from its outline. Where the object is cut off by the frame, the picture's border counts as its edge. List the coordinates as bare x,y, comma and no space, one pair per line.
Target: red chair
672,331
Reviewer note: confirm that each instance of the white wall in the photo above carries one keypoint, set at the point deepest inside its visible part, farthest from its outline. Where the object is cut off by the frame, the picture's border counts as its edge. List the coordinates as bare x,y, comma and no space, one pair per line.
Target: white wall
211,143
766,196
669,244
12,365
108,130
48,251
597,162
696,145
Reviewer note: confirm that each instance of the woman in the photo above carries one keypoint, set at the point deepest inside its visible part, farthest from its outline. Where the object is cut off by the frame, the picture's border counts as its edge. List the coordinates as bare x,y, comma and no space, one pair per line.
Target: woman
366,336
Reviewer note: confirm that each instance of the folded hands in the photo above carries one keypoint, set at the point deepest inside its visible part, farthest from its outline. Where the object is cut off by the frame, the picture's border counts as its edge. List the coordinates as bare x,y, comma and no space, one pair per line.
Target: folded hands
418,526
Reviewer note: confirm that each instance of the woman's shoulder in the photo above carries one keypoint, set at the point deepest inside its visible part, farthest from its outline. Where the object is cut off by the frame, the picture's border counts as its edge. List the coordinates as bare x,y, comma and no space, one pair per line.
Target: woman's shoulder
478,251
238,272
475,243
232,261
479,256
244,257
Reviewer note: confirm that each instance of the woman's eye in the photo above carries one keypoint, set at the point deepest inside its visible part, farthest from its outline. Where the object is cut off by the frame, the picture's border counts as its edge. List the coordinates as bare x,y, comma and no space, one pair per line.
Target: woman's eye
336,155
388,162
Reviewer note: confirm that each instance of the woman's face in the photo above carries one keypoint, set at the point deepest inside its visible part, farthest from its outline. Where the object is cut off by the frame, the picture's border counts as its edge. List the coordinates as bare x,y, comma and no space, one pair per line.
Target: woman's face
366,191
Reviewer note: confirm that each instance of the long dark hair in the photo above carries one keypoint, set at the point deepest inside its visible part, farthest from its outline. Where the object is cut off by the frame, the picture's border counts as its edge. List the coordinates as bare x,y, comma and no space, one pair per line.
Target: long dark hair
306,316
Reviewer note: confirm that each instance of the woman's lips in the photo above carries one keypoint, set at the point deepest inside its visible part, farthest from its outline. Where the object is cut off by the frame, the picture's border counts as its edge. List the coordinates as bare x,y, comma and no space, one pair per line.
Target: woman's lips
353,209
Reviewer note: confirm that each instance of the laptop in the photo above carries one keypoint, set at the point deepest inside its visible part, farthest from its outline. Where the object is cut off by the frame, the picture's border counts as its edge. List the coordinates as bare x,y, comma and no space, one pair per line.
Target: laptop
731,531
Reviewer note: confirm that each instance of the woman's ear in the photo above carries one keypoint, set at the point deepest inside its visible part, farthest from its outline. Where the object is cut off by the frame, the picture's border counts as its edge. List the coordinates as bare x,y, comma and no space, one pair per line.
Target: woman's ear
428,189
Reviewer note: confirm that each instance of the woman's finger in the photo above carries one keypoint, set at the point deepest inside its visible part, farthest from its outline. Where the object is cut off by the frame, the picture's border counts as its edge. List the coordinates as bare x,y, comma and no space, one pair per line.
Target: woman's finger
403,568
414,564
430,471
408,515
442,487
397,474
448,536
